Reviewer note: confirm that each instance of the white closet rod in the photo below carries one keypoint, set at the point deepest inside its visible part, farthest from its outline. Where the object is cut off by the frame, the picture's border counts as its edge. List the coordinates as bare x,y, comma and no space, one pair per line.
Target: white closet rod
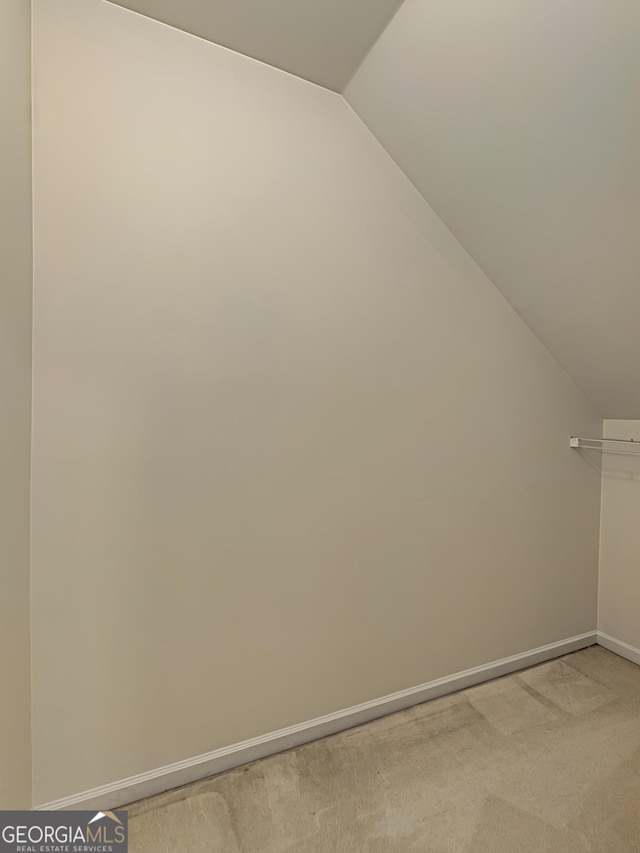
618,445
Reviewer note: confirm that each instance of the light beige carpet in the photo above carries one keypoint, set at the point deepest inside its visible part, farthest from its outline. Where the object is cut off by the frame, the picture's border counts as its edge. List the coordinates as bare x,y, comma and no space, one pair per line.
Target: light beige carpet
545,760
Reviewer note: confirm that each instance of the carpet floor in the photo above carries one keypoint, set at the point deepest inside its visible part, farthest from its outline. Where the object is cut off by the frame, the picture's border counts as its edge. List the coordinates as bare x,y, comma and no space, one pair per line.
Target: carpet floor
547,759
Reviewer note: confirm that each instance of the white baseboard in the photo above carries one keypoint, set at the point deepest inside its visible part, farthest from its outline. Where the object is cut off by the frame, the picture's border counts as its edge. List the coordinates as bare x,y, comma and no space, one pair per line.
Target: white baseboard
144,785
618,647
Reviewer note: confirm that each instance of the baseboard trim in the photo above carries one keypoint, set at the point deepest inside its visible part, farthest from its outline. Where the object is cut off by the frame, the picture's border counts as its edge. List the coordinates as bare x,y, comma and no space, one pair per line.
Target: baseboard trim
618,647
181,773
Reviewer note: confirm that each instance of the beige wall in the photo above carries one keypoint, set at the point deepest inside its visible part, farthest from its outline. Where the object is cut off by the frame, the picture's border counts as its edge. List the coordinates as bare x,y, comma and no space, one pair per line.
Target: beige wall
517,120
15,402
620,538
292,450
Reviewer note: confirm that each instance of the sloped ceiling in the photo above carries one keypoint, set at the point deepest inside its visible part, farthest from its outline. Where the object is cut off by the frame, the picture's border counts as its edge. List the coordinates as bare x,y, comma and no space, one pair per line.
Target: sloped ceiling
519,121
321,40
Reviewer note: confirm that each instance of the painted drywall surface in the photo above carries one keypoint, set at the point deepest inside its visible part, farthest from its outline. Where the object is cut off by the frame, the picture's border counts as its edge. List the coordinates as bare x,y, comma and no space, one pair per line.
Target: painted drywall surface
620,538
15,402
320,41
292,450
519,124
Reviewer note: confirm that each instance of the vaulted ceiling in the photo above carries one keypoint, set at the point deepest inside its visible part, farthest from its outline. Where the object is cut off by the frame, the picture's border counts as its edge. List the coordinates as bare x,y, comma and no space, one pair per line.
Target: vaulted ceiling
519,122
321,40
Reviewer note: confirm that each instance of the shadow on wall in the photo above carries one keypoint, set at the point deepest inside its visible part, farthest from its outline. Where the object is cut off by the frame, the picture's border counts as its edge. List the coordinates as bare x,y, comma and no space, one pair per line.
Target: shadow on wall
593,458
